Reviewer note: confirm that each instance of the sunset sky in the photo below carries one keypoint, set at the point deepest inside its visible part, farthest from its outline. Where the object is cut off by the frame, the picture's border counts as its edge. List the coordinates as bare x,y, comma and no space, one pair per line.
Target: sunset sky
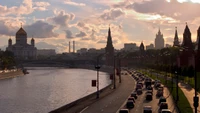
53,23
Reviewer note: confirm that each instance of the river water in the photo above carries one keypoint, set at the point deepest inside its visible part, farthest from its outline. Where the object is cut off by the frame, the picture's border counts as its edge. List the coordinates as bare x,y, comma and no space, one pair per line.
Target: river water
46,89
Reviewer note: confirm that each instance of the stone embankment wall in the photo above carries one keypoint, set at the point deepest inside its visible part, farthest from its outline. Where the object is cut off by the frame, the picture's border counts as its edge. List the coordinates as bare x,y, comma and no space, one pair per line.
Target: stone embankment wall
108,70
11,74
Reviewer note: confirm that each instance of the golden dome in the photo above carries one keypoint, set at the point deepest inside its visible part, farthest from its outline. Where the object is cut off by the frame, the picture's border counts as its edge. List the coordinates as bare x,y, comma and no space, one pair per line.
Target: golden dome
21,31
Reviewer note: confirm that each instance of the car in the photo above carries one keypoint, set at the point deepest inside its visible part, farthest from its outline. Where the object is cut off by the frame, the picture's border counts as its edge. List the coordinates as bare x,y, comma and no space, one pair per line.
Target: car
138,86
149,96
129,104
162,99
159,93
134,94
139,91
123,111
165,111
131,98
163,105
150,88
147,109
161,88
149,91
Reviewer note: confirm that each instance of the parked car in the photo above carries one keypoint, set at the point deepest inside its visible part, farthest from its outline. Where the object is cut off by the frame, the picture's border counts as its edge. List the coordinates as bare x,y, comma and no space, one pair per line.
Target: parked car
123,111
163,105
134,94
147,109
149,96
129,104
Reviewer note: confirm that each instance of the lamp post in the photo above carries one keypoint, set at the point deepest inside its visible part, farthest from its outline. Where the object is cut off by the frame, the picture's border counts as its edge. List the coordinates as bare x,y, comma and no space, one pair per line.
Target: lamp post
114,80
177,97
97,67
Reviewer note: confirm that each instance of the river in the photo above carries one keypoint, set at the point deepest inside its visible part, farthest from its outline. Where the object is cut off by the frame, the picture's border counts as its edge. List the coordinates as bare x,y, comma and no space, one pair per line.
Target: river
45,89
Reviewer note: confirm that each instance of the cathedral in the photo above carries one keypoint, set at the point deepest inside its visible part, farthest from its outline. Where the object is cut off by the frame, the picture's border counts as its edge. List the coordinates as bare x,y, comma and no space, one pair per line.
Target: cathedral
21,49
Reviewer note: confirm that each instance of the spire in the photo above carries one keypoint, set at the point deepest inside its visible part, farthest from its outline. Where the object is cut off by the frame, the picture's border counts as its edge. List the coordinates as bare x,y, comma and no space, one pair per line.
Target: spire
159,32
176,41
109,40
187,30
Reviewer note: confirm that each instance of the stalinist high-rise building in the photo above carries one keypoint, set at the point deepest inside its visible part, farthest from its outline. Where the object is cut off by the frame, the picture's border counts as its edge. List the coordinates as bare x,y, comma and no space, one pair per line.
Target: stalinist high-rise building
21,49
109,50
159,40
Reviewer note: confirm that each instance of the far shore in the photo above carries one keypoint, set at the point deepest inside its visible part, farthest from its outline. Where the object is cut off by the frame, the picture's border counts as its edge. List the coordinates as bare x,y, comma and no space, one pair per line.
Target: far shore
11,74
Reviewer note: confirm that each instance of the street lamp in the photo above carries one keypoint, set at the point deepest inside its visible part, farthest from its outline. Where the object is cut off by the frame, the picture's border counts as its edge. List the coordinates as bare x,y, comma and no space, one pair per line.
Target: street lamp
177,97
97,67
114,83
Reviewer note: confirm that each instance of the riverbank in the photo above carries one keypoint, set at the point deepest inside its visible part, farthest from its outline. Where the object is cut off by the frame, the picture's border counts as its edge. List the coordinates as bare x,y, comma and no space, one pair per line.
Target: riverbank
11,74
80,104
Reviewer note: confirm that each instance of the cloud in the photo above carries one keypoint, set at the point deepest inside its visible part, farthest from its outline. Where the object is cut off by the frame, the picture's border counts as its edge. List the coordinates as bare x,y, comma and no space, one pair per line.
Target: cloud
173,9
62,18
69,34
112,14
69,2
81,34
82,25
102,41
42,6
40,29
5,30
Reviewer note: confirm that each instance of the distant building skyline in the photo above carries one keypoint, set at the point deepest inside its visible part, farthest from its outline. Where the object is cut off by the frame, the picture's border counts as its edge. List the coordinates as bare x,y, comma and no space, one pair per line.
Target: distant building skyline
159,40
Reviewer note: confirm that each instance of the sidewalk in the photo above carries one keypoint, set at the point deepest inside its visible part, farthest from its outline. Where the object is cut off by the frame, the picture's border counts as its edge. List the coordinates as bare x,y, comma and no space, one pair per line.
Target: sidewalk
189,93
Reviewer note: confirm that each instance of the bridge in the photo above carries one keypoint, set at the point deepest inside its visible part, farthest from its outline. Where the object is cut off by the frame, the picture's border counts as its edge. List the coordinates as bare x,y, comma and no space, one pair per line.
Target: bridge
55,63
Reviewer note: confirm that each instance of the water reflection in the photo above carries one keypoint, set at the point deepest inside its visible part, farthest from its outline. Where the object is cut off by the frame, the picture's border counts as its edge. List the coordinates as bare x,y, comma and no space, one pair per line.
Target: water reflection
45,89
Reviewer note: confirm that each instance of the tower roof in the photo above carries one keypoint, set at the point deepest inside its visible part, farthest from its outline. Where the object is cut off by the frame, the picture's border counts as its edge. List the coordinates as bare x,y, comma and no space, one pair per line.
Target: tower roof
21,31
187,30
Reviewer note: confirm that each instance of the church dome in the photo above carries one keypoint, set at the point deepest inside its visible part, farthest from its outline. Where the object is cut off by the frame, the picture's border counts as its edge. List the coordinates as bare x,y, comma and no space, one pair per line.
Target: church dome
21,31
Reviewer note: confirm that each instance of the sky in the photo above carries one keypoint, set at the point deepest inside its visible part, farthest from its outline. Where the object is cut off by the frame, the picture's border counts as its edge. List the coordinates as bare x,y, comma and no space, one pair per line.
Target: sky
53,23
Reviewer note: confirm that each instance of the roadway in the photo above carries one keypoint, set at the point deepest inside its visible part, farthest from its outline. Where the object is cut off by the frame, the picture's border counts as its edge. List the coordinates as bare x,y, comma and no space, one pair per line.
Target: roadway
141,102
112,102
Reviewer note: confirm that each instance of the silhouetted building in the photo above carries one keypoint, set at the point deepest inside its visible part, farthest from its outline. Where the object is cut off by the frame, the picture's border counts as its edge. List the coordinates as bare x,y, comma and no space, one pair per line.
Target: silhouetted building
187,54
131,47
151,46
167,45
176,40
142,47
21,49
46,52
109,50
159,40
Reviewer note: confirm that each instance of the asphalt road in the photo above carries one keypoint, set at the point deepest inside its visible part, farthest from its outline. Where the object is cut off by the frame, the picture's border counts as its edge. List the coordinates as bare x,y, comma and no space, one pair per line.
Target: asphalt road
141,102
112,102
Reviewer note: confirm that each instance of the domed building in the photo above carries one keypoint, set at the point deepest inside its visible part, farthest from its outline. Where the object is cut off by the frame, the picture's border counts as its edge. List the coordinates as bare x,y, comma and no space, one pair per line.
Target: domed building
21,49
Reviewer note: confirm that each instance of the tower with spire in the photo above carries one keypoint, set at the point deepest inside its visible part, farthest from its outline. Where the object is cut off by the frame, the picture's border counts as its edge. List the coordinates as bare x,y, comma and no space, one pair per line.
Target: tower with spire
187,56
187,41
159,40
109,50
142,47
176,40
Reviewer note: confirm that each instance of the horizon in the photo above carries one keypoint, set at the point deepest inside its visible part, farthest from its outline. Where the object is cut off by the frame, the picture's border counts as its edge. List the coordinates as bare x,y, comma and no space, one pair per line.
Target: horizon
56,22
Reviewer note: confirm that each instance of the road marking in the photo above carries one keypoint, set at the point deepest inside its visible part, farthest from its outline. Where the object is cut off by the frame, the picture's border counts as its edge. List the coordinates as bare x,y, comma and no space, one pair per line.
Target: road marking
84,109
